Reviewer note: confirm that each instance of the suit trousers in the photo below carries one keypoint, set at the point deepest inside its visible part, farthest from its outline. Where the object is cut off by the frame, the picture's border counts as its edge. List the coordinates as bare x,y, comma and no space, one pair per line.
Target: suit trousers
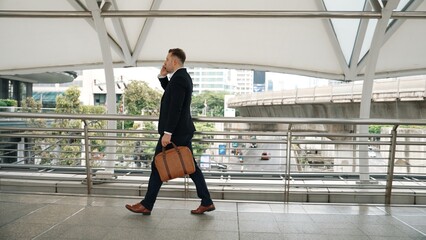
155,182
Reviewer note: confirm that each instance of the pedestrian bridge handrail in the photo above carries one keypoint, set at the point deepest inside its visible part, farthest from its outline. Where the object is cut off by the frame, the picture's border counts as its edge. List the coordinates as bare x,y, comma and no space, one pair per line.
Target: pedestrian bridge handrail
279,159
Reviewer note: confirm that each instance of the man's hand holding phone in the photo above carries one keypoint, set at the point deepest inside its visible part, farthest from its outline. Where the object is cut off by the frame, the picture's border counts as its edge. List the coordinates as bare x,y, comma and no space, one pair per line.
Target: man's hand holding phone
163,71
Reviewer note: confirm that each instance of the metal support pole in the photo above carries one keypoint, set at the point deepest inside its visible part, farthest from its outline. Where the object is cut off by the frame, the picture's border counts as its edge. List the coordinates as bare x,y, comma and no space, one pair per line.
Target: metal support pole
391,166
287,170
110,83
87,154
367,88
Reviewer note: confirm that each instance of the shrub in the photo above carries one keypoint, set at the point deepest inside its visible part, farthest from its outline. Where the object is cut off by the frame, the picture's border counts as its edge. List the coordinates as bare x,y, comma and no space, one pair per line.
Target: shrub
8,102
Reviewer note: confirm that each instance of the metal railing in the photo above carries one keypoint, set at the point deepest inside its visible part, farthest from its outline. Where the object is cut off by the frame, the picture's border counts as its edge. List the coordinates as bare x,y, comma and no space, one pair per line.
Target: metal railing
277,159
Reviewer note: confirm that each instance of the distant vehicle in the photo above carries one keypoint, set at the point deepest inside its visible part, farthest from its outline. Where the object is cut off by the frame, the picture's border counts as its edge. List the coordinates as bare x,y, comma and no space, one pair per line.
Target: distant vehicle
218,166
240,157
208,164
265,156
371,154
253,145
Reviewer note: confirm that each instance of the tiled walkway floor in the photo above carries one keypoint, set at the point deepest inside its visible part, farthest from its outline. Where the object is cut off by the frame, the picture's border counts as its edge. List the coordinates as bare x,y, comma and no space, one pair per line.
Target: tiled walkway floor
26,216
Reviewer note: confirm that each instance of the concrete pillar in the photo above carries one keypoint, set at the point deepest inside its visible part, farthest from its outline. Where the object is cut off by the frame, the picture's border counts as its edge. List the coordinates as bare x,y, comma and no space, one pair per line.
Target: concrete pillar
28,90
343,158
4,88
16,94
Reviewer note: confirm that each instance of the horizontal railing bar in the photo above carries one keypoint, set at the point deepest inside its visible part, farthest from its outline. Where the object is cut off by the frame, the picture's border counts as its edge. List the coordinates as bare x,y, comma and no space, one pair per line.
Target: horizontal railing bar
194,13
270,120
209,14
21,135
42,130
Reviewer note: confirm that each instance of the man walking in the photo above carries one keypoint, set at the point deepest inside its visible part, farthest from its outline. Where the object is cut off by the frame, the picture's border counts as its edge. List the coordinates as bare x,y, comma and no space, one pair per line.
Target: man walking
175,125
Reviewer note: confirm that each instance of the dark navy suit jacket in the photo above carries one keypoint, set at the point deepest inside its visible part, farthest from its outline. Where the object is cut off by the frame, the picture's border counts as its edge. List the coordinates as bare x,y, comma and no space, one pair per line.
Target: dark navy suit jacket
175,110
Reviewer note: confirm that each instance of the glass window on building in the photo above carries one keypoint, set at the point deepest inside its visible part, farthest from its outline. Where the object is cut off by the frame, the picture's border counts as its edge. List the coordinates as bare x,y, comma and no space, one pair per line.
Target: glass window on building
48,99
99,99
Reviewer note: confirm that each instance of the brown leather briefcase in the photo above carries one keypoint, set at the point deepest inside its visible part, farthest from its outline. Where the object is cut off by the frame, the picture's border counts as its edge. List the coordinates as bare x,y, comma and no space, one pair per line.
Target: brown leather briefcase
175,162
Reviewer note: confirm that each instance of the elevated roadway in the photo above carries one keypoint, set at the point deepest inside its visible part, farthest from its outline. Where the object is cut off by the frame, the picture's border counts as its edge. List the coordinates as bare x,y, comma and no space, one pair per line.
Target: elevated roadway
391,99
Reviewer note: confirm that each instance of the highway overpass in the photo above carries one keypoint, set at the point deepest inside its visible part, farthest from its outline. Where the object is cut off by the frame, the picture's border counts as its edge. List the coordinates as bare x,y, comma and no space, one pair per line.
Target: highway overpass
394,98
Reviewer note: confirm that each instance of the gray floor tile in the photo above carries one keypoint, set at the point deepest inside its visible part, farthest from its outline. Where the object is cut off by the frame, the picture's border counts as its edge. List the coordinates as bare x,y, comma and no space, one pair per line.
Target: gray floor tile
263,236
413,220
300,228
178,224
325,209
253,207
292,217
257,216
93,217
22,230
287,208
382,230
76,200
258,226
390,238
174,234
85,232
226,206
331,218
140,221
50,214
13,211
130,233
220,226
321,237
215,235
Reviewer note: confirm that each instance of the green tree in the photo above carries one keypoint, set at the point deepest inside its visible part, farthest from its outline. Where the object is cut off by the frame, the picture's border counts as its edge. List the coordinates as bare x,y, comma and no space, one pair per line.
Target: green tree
45,154
63,151
200,147
69,102
375,129
139,96
209,103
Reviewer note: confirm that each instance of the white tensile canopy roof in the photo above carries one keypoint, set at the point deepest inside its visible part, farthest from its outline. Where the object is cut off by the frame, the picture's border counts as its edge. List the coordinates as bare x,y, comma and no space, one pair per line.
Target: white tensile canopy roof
330,39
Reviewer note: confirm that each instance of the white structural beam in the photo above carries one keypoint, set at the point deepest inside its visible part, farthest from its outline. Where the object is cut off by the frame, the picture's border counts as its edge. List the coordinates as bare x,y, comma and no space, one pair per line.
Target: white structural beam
367,88
117,49
334,41
109,78
390,31
144,32
359,41
122,37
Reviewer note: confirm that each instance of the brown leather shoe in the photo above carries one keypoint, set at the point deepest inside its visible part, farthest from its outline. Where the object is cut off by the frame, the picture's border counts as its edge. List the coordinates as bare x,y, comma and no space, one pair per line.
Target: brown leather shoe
201,209
138,208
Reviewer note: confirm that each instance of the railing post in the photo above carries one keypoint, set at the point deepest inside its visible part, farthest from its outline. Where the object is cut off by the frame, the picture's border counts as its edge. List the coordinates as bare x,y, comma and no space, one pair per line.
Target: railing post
186,186
87,154
391,165
287,170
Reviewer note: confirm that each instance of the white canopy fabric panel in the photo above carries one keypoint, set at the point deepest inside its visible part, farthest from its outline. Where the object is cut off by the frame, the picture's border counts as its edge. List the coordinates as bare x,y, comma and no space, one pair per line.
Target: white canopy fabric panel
304,44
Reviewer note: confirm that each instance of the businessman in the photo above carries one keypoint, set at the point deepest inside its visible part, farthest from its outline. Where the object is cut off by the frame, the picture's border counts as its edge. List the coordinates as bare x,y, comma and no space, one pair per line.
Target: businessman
175,125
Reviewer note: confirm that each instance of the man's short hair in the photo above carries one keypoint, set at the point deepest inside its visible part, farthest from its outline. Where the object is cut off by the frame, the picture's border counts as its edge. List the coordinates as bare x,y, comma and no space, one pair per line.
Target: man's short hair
179,53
